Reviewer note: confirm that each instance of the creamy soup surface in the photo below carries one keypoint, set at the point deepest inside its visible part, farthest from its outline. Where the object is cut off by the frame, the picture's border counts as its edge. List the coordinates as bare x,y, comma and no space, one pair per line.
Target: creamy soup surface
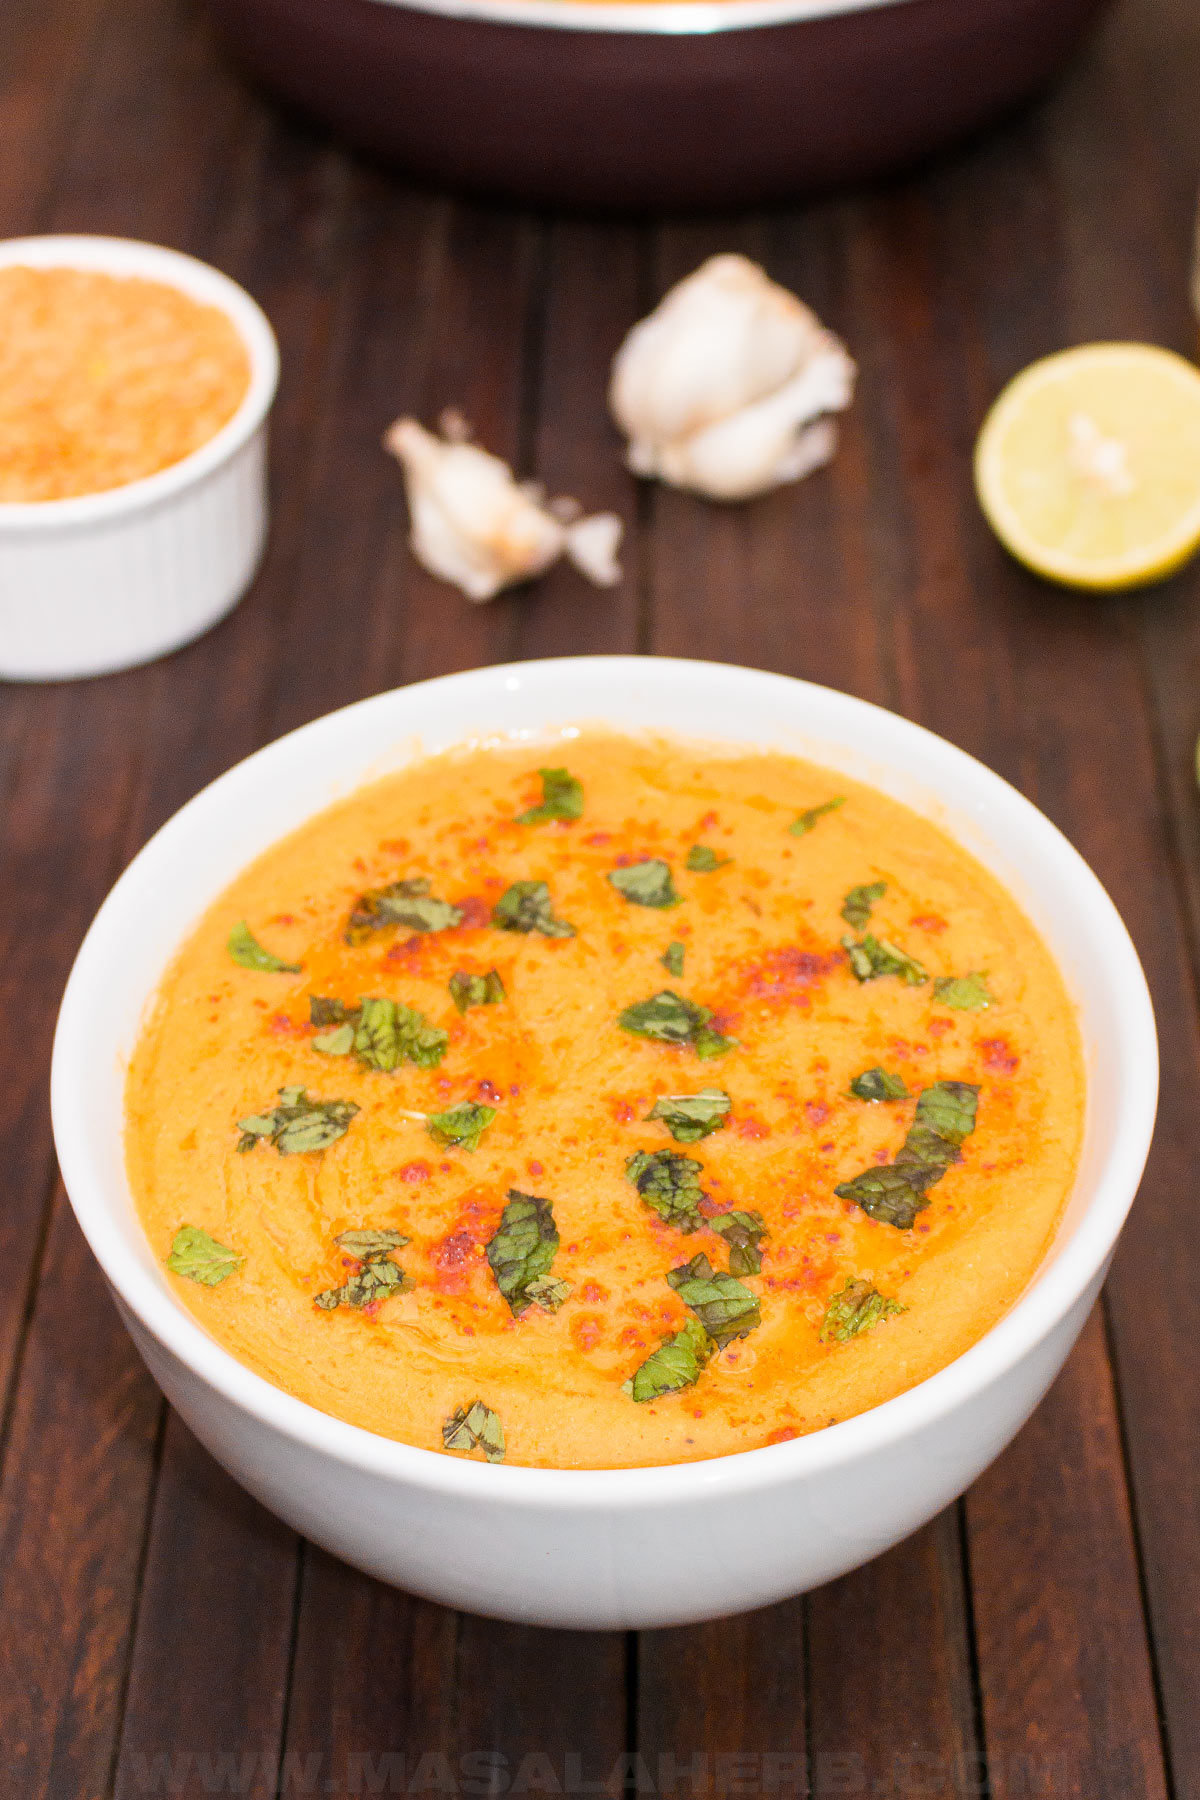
855,1001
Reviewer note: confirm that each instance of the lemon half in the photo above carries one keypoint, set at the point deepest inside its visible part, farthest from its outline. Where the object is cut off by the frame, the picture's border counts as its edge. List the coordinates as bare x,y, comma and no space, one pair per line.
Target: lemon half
1088,465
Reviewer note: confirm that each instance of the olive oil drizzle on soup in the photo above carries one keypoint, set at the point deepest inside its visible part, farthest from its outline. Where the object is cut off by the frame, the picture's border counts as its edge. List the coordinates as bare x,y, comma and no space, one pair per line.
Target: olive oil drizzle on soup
652,1107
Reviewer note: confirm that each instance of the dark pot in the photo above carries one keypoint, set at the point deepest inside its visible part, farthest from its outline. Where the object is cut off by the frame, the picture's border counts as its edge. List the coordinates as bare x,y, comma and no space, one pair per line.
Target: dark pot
634,105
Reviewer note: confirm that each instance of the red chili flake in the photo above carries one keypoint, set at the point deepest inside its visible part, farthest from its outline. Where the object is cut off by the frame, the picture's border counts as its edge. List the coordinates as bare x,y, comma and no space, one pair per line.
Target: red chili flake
999,1054
476,912
598,837
788,972
486,1090
752,1128
514,1088
817,1111
783,1434
586,1333
281,1025
593,1293
928,922
284,919
708,821
627,858
455,1251
622,1112
395,846
827,1149
631,1338
414,1171
881,1156
939,1027
535,1168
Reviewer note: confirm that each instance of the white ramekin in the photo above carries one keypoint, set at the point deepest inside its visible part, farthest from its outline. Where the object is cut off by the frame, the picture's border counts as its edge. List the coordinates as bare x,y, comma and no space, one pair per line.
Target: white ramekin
608,1547
103,581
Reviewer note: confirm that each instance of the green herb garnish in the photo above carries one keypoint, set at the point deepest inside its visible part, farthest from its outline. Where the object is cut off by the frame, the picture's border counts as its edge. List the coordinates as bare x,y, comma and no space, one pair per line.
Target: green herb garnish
966,993
400,903
856,907
476,990
743,1232
200,1257
297,1124
690,1117
381,1033
377,1277
562,798
854,1309
872,957
248,953
702,860
669,1183
646,883
725,1308
807,820
894,1193
525,906
522,1250
475,1427
462,1126
673,1020
878,1084
672,959
674,1365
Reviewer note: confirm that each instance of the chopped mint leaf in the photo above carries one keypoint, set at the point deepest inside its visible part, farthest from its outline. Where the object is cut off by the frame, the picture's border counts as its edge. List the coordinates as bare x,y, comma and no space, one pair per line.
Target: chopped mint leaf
854,1309
406,903
878,1084
381,1033
808,820
298,1124
377,1277
894,1193
548,1291
887,1195
702,860
966,993
872,957
646,883
475,1427
672,958
523,1247
248,953
562,798
725,1308
476,990
949,1108
674,1365
200,1257
525,906
856,907
462,1125
690,1117
323,1011
673,1020
669,1183
743,1232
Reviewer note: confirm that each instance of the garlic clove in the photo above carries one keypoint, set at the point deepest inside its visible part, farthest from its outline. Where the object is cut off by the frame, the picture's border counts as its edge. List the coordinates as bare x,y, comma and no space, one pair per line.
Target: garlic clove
728,341
592,545
472,524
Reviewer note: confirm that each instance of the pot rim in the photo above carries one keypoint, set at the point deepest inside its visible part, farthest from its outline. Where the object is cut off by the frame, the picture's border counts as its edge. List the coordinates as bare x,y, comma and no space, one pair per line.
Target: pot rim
645,18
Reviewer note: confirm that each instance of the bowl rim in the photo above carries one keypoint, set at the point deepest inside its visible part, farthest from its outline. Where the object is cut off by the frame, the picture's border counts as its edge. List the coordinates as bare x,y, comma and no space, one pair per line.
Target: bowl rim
648,18
1056,1287
199,281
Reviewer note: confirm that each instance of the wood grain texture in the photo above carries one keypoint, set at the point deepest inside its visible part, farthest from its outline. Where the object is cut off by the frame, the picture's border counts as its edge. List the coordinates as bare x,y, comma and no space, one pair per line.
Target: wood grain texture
1044,1635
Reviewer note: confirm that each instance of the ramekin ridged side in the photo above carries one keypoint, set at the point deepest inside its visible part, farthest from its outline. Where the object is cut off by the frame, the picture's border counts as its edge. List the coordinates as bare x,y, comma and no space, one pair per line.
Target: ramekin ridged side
105,581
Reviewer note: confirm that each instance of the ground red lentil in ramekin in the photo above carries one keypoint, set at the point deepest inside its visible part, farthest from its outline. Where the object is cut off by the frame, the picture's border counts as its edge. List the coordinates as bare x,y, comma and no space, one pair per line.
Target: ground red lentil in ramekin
105,379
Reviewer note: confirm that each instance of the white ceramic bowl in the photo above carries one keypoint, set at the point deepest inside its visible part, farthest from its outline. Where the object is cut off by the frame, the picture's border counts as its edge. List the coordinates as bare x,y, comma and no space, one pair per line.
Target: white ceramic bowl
605,1548
103,581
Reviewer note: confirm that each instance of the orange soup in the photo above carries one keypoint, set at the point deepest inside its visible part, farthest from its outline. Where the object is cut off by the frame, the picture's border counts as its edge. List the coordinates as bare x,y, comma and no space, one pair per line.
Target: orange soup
105,379
656,1106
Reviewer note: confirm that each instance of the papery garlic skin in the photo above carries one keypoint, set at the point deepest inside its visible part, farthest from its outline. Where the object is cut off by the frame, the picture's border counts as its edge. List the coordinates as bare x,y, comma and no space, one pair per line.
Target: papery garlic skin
474,525
721,388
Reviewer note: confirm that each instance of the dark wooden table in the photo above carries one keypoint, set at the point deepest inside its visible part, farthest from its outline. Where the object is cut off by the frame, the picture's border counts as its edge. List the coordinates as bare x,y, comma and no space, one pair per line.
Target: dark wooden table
159,1633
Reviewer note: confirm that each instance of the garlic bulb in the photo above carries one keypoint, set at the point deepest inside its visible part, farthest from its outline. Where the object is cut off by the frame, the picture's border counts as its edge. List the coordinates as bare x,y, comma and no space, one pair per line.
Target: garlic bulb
726,388
474,525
